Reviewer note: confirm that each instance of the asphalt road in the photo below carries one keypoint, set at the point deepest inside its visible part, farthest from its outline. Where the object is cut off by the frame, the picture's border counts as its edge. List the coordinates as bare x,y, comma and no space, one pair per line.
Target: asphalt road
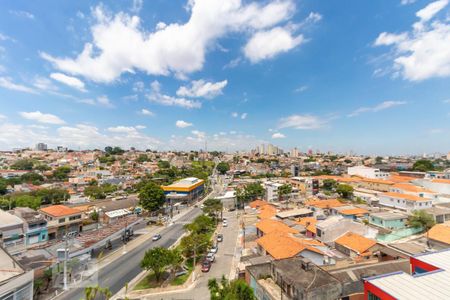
122,270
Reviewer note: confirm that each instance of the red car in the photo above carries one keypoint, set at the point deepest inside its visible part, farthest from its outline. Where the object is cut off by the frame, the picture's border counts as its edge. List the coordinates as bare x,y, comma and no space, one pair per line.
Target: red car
206,266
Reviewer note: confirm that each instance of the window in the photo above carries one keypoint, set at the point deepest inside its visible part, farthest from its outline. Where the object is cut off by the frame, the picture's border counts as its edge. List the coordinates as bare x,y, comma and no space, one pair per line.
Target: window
62,220
373,297
74,217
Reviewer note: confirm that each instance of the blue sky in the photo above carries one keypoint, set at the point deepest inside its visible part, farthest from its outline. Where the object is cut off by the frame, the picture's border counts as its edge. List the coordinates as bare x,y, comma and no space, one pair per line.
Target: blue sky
368,76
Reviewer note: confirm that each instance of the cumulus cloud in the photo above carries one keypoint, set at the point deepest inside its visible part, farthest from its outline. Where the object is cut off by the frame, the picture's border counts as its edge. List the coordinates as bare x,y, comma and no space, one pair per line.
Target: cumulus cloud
69,80
120,43
156,96
7,83
182,124
234,114
22,14
202,88
422,52
267,44
146,112
304,122
379,107
244,116
42,117
125,129
278,135
99,101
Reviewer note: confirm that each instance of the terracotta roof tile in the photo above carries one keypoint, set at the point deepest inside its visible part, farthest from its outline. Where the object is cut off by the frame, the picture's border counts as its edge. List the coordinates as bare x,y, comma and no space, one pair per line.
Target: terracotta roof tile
440,233
354,211
59,210
268,226
405,196
355,242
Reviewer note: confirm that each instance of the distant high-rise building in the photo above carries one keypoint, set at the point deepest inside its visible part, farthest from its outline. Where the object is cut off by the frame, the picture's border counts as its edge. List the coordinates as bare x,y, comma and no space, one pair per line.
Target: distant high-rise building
295,152
41,147
61,149
295,170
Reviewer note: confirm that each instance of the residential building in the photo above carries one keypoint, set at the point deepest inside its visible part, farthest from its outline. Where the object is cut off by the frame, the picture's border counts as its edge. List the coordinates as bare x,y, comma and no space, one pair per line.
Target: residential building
441,186
429,280
295,213
41,147
62,220
355,245
405,202
35,225
11,232
185,190
15,282
267,226
440,214
292,278
354,213
388,220
228,199
367,172
329,230
439,236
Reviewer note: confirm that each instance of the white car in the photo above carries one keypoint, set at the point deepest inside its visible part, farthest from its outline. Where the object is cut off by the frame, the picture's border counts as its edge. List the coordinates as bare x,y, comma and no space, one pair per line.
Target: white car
225,223
211,257
213,249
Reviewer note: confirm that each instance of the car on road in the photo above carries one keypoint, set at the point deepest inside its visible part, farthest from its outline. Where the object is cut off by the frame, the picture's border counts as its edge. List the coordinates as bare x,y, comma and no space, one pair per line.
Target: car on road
213,249
225,223
206,266
210,257
220,237
202,206
156,237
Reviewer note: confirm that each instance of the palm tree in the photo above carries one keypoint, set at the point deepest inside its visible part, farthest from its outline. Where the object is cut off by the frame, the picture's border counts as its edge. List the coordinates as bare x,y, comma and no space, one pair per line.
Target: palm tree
421,219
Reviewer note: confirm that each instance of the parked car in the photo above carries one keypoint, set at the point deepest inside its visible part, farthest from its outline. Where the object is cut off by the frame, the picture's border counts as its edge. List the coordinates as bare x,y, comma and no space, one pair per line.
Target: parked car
213,249
211,257
220,237
156,237
206,266
181,271
225,223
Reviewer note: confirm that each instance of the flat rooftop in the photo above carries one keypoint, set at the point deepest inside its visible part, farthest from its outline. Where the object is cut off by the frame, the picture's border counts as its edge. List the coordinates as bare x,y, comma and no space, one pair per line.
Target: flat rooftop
9,268
8,219
389,215
430,285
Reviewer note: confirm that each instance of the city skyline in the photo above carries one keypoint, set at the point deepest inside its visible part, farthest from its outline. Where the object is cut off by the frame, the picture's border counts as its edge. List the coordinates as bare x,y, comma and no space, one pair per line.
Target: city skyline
368,77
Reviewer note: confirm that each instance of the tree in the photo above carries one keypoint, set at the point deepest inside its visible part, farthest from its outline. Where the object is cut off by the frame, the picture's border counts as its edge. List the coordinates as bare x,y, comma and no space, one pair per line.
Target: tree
23,164
3,186
163,164
201,224
91,292
421,219
195,242
254,191
27,201
345,190
283,191
52,196
223,167
94,216
423,165
151,196
213,206
33,178
329,184
176,260
226,290
42,167
378,160
61,173
157,259
142,158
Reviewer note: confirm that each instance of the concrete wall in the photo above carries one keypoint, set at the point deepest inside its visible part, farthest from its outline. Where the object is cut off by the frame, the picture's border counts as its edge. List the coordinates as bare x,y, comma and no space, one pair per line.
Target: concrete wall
21,286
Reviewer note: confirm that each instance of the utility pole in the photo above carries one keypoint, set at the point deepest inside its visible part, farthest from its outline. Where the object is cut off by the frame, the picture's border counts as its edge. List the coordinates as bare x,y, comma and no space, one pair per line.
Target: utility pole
66,249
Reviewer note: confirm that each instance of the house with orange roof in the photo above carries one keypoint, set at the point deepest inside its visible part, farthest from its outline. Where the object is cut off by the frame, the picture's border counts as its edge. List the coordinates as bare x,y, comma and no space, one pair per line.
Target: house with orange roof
408,188
440,186
405,202
267,226
267,212
354,213
381,185
62,220
323,206
258,203
282,245
355,245
310,226
439,236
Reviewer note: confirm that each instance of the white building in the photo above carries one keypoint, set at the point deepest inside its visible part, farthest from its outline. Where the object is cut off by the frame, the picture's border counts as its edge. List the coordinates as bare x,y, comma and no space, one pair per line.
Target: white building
15,282
406,202
367,172
272,191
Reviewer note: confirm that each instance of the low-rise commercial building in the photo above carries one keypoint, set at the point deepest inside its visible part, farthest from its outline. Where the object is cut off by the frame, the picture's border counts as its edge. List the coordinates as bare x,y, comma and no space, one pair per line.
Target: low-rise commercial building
62,220
35,225
186,190
388,220
12,235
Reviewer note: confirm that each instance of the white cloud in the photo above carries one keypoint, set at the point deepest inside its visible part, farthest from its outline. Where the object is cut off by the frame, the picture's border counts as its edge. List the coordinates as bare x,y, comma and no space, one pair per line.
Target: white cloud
2,117
157,97
182,124
140,127
42,118
44,84
234,114
200,135
423,52
302,122
267,44
7,83
99,101
138,86
22,13
429,11
146,112
120,43
379,107
126,129
244,116
278,135
301,88
202,88
69,80
406,2
137,6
